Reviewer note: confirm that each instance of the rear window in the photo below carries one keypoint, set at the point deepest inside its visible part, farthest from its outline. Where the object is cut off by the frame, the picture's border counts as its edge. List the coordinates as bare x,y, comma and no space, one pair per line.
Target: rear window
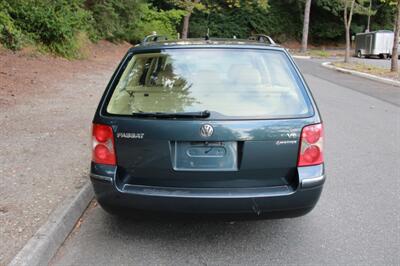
229,83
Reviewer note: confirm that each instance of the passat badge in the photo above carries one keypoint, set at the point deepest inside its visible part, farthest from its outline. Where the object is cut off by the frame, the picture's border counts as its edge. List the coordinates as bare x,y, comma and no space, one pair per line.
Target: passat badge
206,130
126,135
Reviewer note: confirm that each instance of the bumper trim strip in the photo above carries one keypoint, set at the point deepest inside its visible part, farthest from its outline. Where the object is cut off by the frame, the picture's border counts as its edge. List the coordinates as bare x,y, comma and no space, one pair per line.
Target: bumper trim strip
101,177
211,193
312,182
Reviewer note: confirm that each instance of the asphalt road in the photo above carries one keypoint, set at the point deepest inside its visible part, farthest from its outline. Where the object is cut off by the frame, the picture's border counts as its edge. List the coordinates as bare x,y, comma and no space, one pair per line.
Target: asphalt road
357,220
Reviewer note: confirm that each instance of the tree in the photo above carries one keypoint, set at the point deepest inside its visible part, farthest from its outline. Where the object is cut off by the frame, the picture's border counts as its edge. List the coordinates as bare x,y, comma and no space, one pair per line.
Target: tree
371,12
188,6
347,8
306,24
369,17
351,7
395,53
348,16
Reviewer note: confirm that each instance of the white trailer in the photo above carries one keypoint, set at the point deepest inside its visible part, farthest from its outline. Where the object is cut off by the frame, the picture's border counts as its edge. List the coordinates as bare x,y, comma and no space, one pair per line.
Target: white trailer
377,43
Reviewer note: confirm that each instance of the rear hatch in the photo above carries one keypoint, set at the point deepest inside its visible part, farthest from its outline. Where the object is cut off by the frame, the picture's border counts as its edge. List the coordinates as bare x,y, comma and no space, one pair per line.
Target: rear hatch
249,137
238,154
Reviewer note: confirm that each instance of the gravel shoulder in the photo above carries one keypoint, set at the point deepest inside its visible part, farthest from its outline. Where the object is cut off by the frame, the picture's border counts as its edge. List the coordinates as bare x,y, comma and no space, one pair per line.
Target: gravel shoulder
373,66
374,61
369,69
46,107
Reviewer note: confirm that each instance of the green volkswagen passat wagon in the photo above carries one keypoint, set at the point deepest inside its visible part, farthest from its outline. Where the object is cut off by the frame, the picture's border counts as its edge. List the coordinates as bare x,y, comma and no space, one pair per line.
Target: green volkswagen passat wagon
208,127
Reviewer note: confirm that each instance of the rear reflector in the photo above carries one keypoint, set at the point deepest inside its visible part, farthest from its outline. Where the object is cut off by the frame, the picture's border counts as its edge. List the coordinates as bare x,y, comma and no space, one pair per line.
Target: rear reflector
103,145
311,145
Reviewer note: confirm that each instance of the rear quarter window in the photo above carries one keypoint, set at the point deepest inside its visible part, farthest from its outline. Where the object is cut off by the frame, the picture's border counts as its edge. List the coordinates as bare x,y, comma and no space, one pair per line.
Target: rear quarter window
230,83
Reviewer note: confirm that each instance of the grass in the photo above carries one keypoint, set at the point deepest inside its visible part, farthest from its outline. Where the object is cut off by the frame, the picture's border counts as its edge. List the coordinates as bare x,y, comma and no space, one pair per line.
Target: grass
320,53
365,68
2,48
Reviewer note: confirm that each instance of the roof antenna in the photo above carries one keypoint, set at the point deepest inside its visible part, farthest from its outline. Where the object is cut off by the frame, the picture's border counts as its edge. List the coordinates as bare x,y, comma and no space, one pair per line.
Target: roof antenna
208,34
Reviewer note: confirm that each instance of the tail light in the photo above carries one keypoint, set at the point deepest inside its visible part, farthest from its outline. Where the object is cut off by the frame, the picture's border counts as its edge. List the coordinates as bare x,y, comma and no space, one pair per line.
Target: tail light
311,145
103,145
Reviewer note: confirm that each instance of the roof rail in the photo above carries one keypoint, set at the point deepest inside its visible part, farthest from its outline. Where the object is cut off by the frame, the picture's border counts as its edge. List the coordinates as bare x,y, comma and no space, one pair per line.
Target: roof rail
154,37
262,38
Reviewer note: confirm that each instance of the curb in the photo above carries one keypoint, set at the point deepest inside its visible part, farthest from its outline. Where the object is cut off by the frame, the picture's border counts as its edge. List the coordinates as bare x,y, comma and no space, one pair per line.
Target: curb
301,56
363,75
44,244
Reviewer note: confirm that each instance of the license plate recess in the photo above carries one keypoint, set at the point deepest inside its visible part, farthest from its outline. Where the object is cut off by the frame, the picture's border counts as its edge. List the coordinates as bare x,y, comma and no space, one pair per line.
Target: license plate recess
204,156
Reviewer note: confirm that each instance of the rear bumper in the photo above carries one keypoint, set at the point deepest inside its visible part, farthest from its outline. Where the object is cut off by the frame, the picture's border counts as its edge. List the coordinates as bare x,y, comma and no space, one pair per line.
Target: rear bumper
268,202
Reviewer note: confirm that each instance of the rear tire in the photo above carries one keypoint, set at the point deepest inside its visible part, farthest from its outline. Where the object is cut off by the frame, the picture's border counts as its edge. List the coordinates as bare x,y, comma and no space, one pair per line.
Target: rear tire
383,56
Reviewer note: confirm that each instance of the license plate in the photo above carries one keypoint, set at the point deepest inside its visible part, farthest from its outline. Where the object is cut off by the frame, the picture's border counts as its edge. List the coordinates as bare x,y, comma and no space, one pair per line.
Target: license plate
204,156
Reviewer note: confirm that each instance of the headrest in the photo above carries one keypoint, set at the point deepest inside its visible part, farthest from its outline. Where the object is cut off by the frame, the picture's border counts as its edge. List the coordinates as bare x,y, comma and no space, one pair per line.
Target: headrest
206,77
244,74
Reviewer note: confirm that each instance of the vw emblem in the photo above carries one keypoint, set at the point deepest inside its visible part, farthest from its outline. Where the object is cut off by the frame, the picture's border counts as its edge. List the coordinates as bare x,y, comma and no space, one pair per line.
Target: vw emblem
206,130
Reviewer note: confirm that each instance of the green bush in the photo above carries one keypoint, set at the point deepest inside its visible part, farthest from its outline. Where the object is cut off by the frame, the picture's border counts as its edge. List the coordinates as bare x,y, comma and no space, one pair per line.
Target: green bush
163,22
113,17
10,35
222,24
282,21
64,26
277,21
131,20
54,24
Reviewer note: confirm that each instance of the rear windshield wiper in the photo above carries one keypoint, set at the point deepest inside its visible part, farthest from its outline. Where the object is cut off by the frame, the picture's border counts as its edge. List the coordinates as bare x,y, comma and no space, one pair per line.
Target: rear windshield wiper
201,114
